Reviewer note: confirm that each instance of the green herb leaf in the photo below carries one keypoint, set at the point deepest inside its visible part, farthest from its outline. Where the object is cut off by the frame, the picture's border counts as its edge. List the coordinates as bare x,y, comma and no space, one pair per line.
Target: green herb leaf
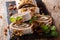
53,28
45,27
33,19
54,33
19,18
12,19
30,21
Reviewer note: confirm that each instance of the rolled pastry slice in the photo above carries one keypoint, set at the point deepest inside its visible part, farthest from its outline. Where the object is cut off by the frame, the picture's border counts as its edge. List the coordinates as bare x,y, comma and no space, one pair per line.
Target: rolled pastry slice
26,16
21,3
43,19
29,9
20,30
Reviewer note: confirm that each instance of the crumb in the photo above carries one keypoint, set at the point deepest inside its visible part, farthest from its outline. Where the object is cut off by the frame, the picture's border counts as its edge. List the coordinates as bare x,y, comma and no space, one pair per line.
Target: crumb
1,17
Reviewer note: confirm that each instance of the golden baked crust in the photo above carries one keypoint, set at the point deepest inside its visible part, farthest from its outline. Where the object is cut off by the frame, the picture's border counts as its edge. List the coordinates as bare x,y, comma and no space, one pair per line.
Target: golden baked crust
21,3
31,10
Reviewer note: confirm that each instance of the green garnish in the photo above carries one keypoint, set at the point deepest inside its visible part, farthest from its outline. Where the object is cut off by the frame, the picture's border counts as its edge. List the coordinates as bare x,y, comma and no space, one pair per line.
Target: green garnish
12,19
54,33
53,28
45,27
19,18
50,29
33,19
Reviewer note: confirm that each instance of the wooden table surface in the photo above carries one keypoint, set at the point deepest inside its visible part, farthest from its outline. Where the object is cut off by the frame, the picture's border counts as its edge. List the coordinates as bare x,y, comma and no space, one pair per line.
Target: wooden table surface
49,5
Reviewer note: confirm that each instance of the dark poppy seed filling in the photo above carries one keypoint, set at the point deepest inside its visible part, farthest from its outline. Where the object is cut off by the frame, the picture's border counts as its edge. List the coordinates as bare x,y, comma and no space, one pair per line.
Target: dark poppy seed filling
26,5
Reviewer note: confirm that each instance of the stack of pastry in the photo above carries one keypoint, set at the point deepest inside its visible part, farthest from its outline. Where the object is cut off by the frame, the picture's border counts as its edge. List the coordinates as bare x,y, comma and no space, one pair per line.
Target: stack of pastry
27,12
